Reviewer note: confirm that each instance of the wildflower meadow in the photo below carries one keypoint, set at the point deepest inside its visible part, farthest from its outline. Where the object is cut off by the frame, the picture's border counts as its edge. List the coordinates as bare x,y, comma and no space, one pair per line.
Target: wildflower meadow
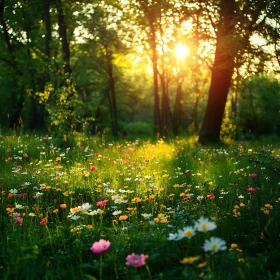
138,209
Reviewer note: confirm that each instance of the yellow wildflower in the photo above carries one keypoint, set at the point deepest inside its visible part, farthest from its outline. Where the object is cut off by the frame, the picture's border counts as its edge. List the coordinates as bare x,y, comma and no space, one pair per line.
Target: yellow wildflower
190,260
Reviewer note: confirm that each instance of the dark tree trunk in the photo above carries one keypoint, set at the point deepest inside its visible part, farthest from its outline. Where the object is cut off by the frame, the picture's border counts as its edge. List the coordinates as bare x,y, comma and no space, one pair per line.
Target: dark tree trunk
195,109
98,112
164,105
18,101
157,123
113,95
15,118
177,110
222,71
48,35
62,28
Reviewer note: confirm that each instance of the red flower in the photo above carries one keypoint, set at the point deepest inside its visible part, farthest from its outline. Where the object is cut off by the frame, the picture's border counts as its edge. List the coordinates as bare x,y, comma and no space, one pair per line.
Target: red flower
93,168
211,195
43,222
102,203
251,190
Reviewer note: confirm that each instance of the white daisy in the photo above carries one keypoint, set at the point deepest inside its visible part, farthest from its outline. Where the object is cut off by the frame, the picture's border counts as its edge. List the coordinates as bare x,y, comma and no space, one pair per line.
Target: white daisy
204,225
215,244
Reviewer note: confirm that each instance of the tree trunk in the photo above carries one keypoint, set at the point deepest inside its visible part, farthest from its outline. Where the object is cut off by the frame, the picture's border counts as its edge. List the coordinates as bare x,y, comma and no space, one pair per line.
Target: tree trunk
98,113
195,109
112,88
221,73
177,110
157,124
62,29
115,125
18,101
48,35
164,105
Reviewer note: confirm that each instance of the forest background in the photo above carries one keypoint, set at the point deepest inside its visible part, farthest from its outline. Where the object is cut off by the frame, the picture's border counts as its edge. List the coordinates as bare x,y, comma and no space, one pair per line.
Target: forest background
140,67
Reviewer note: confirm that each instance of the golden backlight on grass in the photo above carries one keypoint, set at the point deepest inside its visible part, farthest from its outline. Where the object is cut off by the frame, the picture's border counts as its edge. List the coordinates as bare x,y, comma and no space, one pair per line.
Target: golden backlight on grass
181,51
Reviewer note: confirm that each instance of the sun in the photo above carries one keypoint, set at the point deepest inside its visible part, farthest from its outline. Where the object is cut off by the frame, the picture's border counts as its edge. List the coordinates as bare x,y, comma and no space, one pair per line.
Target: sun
181,51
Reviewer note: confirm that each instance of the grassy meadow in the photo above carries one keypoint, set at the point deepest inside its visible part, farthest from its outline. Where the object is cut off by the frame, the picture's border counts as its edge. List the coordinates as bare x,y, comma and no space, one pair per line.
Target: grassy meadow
138,209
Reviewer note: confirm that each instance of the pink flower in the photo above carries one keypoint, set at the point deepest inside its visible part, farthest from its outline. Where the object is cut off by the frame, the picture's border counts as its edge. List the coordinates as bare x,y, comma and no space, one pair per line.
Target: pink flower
100,246
18,219
253,175
25,155
93,168
43,222
136,260
19,167
251,190
186,172
102,203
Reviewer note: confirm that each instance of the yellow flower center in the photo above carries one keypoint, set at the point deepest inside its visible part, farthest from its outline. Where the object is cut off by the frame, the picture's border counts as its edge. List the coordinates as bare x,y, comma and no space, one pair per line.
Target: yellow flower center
188,232
214,246
135,261
204,226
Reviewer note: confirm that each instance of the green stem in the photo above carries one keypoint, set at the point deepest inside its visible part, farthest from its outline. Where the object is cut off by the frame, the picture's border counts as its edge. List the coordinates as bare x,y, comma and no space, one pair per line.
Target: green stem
149,273
100,268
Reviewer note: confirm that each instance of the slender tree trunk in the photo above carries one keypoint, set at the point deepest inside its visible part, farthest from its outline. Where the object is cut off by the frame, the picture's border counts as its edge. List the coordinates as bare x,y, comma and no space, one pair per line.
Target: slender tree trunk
221,74
98,112
62,29
15,118
113,95
48,34
164,105
177,110
195,109
157,123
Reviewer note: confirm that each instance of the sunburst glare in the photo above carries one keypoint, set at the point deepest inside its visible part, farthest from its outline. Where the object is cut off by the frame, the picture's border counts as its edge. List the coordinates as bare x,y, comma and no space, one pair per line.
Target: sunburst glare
181,51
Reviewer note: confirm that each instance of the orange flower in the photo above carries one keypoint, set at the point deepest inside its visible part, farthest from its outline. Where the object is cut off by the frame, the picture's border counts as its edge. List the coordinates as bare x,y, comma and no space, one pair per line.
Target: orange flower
74,210
63,206
123,217
10,210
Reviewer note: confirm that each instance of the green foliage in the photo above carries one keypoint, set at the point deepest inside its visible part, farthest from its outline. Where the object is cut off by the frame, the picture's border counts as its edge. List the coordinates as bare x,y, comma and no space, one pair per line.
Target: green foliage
265,159
61,106
139,129
258,106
